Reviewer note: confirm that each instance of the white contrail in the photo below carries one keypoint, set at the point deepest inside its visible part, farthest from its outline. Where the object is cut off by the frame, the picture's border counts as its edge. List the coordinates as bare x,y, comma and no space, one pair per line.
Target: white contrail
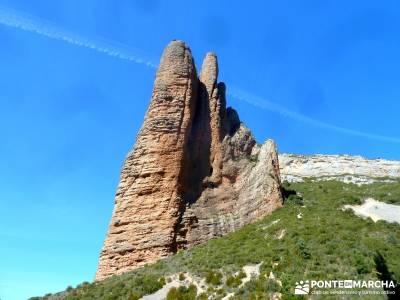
33,24
271,106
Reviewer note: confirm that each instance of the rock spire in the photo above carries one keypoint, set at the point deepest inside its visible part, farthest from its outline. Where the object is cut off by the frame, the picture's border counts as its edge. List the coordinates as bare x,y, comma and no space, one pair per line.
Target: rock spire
195,172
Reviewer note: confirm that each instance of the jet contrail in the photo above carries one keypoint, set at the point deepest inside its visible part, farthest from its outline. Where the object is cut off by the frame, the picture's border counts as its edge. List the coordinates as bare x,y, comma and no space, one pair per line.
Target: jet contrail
33,24
271,106
12,18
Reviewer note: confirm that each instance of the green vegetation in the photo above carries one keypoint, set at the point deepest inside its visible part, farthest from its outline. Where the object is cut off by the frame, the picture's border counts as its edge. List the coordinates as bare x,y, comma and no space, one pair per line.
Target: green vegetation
235,280
182,293
181,276
213,277
325,243
260,288
253,158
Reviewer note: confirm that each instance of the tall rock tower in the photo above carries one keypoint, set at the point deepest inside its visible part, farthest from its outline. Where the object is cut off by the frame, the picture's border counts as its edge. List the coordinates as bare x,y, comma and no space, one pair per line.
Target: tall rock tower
195,172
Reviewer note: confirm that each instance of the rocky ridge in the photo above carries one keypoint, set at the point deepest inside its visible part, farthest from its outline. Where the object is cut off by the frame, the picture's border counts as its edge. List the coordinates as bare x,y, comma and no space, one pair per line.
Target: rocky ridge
195,172
350,169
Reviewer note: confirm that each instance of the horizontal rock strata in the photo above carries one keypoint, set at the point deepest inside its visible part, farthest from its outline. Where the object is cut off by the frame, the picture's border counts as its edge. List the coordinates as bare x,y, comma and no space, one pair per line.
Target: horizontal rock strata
347,168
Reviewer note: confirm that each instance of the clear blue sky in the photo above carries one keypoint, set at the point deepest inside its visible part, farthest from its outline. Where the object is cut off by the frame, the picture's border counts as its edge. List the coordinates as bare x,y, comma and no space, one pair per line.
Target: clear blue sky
69,115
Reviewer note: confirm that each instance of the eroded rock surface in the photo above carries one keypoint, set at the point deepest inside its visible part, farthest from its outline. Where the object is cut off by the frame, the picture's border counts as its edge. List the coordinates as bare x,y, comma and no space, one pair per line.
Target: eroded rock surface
195,172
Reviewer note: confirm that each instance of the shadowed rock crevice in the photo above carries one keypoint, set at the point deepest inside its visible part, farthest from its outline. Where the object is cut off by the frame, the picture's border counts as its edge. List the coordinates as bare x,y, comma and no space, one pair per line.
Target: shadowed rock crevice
198,164
190,176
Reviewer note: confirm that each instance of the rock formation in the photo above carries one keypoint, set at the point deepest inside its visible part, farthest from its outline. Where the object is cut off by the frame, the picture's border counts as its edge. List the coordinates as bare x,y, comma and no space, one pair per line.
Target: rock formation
355,169
195,172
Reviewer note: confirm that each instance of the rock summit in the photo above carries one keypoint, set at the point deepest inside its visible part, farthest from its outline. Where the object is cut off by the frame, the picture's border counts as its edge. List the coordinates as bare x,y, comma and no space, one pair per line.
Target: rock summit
195,172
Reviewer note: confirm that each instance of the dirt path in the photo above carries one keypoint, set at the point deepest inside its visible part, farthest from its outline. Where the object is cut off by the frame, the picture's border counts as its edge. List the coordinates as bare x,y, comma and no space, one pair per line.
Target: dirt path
377,210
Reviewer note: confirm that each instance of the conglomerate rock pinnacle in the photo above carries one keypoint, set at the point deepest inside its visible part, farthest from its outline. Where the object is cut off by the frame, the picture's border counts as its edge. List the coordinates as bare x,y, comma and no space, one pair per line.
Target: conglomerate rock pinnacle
195,172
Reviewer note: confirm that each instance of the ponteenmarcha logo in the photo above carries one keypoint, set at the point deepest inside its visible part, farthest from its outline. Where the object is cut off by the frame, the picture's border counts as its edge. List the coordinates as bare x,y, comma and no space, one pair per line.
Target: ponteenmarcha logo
305,287
302,288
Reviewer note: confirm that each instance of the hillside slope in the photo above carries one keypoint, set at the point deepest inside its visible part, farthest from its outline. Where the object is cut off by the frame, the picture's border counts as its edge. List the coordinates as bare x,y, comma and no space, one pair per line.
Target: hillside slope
311,237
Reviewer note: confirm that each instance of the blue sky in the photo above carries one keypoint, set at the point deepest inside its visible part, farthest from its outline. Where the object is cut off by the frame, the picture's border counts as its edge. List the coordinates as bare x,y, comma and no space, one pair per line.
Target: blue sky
69,114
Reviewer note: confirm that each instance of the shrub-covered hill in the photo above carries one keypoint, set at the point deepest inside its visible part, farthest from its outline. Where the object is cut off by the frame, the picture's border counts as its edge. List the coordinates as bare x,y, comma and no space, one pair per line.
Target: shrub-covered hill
311,237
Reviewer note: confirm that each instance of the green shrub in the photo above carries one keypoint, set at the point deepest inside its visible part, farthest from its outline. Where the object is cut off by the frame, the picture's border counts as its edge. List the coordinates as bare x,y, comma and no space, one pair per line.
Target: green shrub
182,293
261,288
290,196
352,199
235,280
202,296
221,292
253,158
304,250
134,296
232,281
362,267
181,276
213,278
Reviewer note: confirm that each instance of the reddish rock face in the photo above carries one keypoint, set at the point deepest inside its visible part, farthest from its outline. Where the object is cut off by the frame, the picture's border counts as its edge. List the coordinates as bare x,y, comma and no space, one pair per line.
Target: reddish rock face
195,172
